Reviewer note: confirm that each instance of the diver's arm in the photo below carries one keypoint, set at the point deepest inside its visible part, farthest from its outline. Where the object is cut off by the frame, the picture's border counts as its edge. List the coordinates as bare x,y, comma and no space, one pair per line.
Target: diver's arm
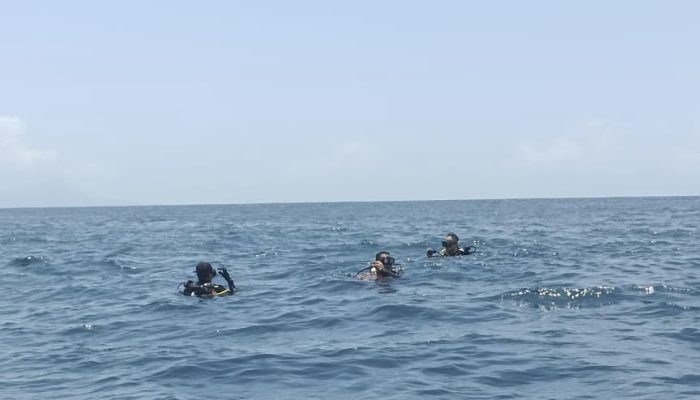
466,250
378,266
225,275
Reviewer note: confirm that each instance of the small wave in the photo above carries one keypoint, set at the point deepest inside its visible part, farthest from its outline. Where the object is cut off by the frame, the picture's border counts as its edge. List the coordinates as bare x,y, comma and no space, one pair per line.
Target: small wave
688,379
451,369
691,335
402,311
662,309
260,329
651,289
564,296
115,263
121,251
28,260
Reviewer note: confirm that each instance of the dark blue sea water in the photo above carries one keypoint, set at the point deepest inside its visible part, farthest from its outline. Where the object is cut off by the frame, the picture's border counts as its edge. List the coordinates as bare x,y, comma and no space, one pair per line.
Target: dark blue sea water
579,299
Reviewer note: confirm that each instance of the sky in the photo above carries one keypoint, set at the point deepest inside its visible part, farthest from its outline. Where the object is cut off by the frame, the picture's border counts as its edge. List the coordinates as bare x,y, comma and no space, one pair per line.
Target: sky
217,102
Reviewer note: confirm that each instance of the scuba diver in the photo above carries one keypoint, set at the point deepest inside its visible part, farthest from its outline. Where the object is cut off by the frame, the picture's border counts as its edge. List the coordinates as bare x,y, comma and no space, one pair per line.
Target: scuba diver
451,247
384,266
204,288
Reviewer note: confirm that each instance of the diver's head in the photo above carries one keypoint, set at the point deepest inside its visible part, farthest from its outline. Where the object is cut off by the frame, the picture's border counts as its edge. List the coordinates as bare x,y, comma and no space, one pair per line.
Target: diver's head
386,259
205,273
451,241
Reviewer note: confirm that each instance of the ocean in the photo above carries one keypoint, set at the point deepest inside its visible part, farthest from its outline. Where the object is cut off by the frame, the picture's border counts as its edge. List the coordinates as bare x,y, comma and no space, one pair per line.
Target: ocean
570,298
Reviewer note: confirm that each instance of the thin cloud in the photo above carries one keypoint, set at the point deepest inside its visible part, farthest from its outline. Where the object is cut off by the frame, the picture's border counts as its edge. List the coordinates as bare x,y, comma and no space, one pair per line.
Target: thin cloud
16,155
596,142
610,160
32,176
688,155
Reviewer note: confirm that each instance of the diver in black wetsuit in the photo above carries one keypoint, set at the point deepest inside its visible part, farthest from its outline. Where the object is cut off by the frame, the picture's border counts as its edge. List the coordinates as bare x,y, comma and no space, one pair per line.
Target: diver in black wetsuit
204,287
383,266
451,247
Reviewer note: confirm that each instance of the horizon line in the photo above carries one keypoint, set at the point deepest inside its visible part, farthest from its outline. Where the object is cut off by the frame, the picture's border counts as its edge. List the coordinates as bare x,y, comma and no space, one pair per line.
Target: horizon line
345,202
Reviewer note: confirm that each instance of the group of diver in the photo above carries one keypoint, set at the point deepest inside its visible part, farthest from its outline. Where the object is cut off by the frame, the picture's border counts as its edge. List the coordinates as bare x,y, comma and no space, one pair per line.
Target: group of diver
384,266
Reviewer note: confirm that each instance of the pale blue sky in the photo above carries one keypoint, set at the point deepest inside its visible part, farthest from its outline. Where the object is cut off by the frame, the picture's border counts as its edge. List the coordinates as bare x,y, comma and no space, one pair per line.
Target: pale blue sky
162,102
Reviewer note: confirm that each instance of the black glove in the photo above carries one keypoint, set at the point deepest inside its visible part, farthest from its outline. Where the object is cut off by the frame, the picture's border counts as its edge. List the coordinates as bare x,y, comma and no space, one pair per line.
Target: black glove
430,252
224,273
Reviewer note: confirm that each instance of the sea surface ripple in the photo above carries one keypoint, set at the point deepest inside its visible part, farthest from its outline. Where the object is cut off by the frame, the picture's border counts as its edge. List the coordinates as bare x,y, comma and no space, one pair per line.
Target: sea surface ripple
575,298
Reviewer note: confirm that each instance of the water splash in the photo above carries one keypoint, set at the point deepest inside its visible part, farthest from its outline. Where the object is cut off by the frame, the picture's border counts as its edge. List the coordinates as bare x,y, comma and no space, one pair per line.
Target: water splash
564,296
660,288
